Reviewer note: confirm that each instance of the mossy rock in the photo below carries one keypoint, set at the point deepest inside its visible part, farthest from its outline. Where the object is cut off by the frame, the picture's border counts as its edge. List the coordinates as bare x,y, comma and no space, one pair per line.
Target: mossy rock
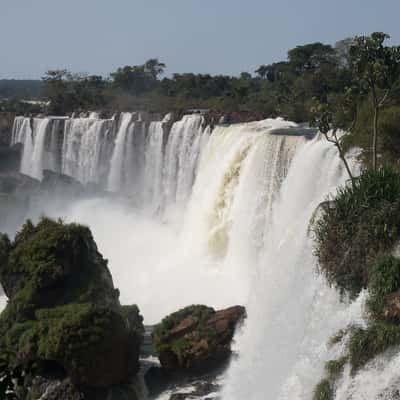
196,338
63,307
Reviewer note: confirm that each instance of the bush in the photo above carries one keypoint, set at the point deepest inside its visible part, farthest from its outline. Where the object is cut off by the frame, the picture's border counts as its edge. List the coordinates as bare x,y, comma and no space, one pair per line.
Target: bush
335,367
362,222
366,343
384,279
324,391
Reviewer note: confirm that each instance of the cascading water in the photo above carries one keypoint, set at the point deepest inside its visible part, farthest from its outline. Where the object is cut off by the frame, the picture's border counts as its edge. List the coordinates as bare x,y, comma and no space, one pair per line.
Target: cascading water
153,165
38,149
33,157
115,179
85,148
242,238
181,155
283,347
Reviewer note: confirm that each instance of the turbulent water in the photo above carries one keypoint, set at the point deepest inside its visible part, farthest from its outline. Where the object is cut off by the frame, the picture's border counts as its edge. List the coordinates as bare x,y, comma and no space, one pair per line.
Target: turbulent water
215,217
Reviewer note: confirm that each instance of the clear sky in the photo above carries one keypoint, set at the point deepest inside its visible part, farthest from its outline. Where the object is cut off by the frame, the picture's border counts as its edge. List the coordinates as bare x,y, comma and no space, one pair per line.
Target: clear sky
207,36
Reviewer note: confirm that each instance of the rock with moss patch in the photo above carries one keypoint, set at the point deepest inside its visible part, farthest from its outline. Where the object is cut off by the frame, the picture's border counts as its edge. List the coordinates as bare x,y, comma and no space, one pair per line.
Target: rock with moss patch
63,306
196,338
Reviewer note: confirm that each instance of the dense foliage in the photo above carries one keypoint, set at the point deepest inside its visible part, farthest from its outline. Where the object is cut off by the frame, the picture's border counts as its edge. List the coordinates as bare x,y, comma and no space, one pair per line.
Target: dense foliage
356,239
361,223
311,72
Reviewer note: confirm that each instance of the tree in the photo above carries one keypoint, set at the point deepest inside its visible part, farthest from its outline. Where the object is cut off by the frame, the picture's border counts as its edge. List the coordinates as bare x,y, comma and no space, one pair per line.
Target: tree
154,68
342,52
311,56
330,124
68,92
262,71
376,70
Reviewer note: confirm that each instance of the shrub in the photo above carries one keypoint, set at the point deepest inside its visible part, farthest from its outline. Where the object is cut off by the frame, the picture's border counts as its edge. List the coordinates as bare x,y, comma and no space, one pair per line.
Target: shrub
335,367
324,391
361,223
384,279
366,343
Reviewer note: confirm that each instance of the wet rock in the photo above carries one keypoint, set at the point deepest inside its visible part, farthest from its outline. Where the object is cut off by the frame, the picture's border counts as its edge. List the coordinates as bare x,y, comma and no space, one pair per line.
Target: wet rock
196,338
200,390
48,389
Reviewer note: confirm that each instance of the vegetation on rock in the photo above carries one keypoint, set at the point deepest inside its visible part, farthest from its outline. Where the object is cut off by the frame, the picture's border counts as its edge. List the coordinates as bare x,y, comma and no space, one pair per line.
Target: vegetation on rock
356,237
361,223
196,337
63,308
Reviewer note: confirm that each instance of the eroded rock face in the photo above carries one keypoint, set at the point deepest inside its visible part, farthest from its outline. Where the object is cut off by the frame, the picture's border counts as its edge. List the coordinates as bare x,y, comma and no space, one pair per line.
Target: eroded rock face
10,158
6,124
63,306
196,338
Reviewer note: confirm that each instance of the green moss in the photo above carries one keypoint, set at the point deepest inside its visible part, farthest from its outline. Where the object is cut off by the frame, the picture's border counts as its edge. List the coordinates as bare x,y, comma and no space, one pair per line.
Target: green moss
199,312
71,332
52,264
63,307
324,391
182,346
384,279
362,223
334,368
366,343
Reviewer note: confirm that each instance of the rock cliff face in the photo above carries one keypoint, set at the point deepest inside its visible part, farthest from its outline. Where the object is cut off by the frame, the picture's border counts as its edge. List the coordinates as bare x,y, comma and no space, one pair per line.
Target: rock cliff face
196,338
63,309
6,124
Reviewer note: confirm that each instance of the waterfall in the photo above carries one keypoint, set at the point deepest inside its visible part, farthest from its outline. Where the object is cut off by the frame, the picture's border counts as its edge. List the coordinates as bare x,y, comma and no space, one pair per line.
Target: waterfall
85,148
182,152
241,198
25,135
131,155
292,312
38,149
154,165
116,179
34,156
18,130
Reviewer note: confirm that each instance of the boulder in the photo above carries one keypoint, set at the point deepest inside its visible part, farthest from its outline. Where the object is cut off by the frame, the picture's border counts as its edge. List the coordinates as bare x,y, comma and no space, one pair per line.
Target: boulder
63,307
49,389
196,338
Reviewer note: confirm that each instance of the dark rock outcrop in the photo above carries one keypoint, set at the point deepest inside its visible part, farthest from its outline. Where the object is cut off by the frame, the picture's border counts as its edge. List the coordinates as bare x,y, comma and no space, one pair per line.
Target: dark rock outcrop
6,125
60,185
63,307
10,158
48,389
196,338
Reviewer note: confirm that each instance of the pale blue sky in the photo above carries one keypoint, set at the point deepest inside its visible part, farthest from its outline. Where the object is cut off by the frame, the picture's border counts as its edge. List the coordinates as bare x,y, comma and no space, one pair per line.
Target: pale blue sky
214,36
